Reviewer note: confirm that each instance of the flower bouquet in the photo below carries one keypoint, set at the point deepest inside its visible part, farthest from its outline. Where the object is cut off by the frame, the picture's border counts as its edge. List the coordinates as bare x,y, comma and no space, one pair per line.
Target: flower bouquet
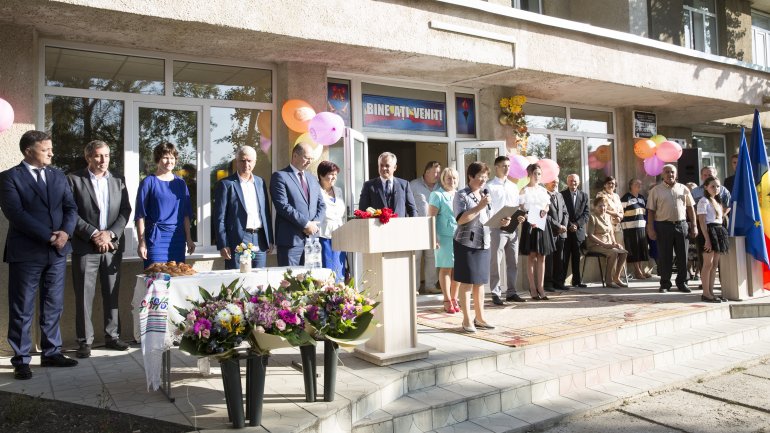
214,325
245,253
384,214
275,319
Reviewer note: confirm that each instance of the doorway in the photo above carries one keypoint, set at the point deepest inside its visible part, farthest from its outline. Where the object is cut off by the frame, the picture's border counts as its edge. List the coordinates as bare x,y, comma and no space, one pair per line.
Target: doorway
412,156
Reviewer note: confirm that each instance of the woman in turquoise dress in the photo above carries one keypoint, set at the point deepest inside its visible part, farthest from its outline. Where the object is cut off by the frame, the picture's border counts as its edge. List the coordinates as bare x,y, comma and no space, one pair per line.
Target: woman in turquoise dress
440,202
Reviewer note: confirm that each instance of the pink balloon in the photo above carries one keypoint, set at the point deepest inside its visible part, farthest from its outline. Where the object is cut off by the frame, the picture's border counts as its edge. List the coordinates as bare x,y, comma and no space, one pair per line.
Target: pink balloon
653,166
669,151
518,168
550,170
265,143
593,163
6,115
326,128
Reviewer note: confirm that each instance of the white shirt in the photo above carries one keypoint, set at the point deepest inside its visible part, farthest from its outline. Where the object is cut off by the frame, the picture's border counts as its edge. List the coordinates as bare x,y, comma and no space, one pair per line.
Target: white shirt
503,192
705,208
385,184
33,171
335,213
253,221
421,192
102,190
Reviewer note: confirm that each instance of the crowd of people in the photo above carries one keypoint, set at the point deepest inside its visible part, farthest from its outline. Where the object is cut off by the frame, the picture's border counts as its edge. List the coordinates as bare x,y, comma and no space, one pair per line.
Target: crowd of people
481,230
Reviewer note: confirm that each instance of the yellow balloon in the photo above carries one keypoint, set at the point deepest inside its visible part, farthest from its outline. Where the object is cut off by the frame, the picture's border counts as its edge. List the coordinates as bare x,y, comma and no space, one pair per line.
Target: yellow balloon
316,148
658,139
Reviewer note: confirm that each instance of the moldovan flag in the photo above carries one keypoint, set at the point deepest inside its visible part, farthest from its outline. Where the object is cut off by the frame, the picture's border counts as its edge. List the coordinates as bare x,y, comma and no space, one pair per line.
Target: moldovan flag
758,158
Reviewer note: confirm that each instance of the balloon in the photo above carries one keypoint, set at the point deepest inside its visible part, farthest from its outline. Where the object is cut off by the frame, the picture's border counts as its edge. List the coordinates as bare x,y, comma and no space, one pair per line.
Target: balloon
550,170
326,128
524,181
653,166
593,163
669,151
6,115
264,144
264,124
296,114
315,148
603,153
519,165
658,139
644,148
221,174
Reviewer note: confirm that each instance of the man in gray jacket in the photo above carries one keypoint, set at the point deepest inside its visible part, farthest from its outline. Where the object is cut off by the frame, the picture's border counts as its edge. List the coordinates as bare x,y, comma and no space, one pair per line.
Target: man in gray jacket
97,245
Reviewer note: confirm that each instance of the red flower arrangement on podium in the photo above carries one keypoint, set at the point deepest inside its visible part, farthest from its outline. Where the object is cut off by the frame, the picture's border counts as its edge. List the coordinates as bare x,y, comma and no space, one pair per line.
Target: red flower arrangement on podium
384,214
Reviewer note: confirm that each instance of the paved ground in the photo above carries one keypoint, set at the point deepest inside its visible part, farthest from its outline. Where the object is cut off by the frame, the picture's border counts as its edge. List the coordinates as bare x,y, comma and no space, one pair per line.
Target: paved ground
734,402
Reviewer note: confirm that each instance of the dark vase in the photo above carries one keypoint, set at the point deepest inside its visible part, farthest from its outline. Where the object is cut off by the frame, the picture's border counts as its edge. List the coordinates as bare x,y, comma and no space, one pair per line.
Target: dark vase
231,379
331,356
307,353
256,370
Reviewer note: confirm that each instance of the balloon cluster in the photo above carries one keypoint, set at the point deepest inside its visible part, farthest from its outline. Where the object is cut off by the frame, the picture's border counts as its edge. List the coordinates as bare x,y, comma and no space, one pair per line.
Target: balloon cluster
316,129
6,115
656,151
599,157
519,163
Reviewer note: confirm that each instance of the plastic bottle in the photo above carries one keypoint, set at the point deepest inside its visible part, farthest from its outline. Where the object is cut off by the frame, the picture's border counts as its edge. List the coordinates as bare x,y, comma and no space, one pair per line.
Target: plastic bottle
308,252
318,255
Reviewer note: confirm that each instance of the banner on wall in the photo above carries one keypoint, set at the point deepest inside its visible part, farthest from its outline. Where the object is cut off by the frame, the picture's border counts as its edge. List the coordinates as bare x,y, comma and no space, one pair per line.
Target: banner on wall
384,112
466,115
645,124
338,100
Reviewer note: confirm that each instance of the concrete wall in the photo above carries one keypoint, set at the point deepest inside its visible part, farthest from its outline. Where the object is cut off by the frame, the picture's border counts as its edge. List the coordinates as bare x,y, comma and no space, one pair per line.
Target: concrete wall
734,22
665,17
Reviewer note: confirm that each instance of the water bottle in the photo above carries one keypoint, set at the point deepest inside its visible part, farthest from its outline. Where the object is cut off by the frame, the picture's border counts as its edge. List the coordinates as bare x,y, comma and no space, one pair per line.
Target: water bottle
308,252
318,253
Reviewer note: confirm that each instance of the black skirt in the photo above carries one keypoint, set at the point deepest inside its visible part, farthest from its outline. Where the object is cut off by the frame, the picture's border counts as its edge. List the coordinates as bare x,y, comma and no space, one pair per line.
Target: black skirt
635,241
471,264
719,238
534,240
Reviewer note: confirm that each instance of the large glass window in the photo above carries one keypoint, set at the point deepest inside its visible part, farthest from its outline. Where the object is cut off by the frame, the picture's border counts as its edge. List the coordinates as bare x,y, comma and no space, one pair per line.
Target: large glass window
712,152
528,5
569,157
599,122
700,25
201,80
600,157
545,116
73,122
760,27
80,69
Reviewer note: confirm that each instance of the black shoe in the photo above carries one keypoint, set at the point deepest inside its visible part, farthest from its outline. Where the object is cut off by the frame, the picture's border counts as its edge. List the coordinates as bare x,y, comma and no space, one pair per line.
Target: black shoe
496,300
84,351
684,289
22,372
116,345
57,360
515,298
544,298
664,289
561,287
550,290
713,300
480,325
581,285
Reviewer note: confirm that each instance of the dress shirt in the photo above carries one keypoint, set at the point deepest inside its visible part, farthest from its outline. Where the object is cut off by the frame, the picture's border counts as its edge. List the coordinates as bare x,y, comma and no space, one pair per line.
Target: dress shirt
421,192
102,190
253,221
33,172
503,192
335,213
669,202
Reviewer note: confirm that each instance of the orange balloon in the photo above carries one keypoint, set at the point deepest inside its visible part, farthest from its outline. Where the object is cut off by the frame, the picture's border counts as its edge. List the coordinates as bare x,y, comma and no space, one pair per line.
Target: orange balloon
644,148
296,114
603,153
265,124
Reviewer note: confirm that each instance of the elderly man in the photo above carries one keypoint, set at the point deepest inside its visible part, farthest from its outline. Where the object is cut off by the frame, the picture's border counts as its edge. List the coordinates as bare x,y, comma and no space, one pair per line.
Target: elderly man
242,211
670,206
577,210
421,188
558,217
705,173
388,190
42,215
98,245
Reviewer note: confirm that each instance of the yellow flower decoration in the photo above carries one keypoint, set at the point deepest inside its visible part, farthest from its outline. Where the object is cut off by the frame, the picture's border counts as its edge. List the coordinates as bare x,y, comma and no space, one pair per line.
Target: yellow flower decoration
504,103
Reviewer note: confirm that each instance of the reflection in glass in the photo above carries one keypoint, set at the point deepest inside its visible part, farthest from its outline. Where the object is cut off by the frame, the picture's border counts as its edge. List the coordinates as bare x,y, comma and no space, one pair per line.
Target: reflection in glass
568,156
484,154
720,162
597,122
102,71
600,157
73,122
545,116
234,83
232,128
708,143
539,145
179,127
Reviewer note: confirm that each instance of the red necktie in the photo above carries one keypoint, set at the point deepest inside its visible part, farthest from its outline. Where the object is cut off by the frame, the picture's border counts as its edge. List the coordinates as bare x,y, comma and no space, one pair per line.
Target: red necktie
305,189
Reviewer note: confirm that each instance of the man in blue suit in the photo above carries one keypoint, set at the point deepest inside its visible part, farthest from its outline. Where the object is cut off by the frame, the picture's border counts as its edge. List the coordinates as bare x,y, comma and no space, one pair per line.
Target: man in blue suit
299,206
42,214
241,211
388,190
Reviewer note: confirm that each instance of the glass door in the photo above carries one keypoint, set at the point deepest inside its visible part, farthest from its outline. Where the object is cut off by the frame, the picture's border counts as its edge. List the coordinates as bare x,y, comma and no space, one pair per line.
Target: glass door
356,167
569,156
472,151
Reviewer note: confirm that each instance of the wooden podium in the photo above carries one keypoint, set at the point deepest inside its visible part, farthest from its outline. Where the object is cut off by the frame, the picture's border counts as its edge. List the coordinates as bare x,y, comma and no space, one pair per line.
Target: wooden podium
391,276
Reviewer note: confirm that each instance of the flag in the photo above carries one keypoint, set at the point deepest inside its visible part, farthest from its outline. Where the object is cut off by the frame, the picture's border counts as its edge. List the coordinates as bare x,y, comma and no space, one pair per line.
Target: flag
745,216
758,158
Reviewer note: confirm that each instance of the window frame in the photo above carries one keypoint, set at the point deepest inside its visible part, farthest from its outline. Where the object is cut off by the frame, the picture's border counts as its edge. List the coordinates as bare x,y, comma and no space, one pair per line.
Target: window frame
754,46
710,155
689,41
132,102
516,4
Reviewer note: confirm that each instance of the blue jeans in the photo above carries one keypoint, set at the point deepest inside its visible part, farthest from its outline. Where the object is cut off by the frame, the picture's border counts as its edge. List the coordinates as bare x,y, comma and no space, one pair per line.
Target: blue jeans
260,261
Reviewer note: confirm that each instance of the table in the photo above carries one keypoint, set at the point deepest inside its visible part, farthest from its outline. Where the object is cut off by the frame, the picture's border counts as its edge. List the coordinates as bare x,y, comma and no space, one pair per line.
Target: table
154,309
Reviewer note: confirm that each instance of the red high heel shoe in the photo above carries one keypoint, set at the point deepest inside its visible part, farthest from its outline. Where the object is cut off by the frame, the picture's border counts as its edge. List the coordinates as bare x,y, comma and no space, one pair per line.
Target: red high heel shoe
456,305
448,307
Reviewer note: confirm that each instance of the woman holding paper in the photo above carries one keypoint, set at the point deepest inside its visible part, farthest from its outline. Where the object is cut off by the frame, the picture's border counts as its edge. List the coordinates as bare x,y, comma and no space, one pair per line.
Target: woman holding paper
600,237
536,239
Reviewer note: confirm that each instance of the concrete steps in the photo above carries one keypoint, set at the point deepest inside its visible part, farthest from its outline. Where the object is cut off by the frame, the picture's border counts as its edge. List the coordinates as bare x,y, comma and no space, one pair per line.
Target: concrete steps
537,386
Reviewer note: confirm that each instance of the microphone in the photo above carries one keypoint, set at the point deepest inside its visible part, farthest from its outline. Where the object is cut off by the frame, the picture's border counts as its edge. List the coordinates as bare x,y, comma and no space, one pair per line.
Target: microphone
486,193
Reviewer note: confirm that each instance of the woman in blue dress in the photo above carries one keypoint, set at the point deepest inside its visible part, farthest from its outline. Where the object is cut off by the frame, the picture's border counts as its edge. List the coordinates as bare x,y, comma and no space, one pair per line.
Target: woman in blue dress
440,201
163,211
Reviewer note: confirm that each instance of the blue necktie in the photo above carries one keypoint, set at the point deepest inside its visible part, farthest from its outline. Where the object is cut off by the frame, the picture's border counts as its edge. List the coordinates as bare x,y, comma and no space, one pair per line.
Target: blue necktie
388,193
40,181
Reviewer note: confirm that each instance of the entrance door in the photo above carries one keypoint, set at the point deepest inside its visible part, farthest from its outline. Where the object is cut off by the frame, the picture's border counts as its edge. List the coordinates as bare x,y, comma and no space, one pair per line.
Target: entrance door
356,170
472,151
180,126
569,156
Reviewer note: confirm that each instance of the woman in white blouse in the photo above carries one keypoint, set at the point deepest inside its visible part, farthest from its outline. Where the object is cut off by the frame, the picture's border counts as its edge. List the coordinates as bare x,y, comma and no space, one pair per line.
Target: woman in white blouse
334,218
535,242
714,240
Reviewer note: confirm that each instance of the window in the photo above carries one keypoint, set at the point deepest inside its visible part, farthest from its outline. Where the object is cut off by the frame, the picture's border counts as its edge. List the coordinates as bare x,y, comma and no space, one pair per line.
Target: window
700,25
528,5
712,152
760,35
545,116
200,80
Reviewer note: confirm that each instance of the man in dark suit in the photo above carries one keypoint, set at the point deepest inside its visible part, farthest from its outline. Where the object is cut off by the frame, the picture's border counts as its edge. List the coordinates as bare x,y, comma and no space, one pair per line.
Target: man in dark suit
558,217
299,206
98,245
41,214
577,208
388,190
241,211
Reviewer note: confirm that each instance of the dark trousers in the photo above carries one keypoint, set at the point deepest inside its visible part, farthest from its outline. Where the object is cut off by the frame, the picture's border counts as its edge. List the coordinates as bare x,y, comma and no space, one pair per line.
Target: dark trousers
554,265
86,269
572,254
672,237
260,261
291,256
24,278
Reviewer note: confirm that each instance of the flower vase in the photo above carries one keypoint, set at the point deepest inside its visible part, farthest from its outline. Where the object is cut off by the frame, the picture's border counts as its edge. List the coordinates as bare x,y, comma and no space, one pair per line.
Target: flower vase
245,267
307,352
256,370
231,379
331,356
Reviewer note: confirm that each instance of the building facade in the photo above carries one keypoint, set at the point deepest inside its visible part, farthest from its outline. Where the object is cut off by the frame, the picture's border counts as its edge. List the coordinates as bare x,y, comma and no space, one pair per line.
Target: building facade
422,79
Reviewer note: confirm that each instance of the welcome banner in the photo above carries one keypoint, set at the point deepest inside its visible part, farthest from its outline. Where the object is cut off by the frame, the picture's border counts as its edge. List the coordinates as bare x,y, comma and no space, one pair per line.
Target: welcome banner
384,112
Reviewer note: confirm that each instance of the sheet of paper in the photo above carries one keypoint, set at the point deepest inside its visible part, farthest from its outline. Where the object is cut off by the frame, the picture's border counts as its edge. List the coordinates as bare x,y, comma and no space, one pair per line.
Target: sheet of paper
533,217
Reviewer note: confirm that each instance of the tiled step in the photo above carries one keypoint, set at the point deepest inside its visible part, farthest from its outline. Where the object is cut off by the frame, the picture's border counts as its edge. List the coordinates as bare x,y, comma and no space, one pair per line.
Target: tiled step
556,380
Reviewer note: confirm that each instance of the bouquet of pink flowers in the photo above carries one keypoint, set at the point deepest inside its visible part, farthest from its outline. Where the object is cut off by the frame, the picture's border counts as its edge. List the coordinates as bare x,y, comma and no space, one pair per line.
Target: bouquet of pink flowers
341,313
275,319
215,325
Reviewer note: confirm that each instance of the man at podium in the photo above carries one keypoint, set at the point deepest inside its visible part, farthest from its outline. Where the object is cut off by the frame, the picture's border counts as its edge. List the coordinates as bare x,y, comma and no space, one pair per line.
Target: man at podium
388,190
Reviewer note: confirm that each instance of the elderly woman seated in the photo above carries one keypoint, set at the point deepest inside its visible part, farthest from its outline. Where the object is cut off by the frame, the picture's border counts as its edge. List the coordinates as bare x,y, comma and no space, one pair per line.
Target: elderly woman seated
600,237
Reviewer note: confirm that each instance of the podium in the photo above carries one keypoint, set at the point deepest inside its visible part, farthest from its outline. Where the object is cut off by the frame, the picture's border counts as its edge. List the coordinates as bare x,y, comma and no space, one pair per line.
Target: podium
391,275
